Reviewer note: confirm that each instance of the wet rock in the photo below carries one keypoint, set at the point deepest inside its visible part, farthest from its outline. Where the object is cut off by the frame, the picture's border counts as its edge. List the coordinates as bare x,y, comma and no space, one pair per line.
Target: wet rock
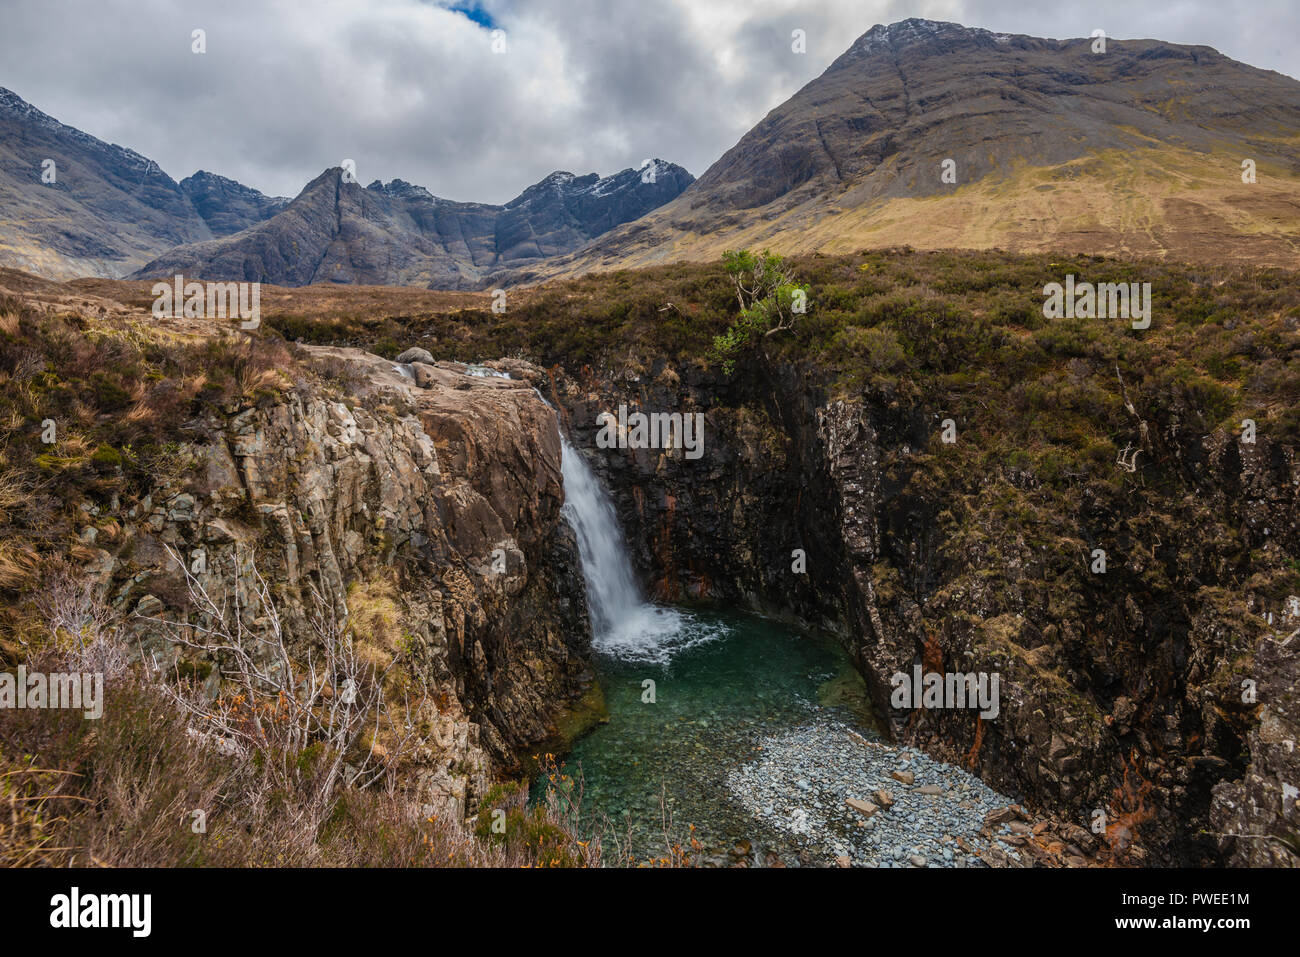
415,354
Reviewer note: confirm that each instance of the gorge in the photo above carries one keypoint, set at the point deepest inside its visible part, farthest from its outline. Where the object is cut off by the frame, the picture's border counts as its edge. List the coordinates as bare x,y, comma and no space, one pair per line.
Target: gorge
700,698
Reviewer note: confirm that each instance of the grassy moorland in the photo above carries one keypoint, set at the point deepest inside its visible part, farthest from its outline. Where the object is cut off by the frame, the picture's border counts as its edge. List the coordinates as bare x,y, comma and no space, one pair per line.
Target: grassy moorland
957,331
1045,408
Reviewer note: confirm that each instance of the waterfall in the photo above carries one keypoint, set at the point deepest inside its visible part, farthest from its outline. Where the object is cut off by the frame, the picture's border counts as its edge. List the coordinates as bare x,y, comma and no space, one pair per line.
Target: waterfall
623,624
611,588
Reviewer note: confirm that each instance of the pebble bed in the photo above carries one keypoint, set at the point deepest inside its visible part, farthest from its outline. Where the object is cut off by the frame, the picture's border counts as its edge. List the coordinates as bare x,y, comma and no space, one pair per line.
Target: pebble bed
804,776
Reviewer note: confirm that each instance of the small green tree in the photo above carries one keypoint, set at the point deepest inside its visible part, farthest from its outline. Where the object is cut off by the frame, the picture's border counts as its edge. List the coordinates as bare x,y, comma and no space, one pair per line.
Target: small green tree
769,300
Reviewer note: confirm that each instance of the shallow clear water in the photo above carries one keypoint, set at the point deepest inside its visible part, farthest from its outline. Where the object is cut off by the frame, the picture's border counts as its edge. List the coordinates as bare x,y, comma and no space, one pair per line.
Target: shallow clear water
690,694
722,681
737,738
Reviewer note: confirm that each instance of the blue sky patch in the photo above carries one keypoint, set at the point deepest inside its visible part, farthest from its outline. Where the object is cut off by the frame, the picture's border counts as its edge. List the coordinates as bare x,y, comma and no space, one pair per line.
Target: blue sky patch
473,11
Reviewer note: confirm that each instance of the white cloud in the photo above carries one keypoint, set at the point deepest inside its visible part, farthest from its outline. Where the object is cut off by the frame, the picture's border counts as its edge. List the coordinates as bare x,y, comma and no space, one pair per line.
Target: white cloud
410,89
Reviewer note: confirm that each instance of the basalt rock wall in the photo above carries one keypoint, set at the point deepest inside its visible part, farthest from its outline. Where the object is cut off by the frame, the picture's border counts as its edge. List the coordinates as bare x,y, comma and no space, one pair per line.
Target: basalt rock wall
1129,694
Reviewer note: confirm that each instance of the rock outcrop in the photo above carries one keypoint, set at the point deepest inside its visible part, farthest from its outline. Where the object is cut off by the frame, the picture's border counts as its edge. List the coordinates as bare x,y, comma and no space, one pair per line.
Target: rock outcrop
1254,818
429,513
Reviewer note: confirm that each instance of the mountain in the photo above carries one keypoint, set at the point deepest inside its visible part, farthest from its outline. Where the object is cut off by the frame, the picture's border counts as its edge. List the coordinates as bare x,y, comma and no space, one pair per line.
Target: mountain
1134,151
1137,150
400,234
107,209
227,206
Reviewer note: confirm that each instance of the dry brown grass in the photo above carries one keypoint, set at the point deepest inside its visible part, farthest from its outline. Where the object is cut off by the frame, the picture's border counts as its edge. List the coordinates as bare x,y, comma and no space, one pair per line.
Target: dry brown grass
123,792
19,564
1164,202
14,489
142,786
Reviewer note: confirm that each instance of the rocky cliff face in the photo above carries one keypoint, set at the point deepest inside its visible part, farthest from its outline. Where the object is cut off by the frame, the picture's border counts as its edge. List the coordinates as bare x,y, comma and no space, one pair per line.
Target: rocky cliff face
227,206
1252,817
422,501
1120,693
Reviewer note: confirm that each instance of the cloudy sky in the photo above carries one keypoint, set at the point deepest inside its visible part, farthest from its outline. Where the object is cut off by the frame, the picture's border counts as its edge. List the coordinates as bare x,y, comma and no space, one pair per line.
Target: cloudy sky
412,89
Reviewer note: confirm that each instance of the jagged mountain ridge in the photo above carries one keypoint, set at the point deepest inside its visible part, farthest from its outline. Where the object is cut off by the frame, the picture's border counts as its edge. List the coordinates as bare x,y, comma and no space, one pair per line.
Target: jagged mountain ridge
228,206
401,234
111,211
1134,151
107,209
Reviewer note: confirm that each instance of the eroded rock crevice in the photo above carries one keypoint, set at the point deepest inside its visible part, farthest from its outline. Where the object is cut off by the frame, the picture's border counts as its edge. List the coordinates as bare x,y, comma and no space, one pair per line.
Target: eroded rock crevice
1124,693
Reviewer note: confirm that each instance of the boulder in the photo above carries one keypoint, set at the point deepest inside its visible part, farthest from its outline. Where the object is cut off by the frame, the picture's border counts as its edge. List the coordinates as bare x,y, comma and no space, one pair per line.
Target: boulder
1000,816
426,376
416,354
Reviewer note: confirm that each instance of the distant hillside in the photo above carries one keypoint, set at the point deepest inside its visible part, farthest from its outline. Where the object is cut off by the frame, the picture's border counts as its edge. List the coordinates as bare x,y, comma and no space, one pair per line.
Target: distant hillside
110,212
227,206
1134,151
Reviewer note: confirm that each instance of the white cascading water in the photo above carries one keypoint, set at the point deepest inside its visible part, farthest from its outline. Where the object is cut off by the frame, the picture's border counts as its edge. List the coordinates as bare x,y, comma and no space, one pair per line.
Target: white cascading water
623,624
611,590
